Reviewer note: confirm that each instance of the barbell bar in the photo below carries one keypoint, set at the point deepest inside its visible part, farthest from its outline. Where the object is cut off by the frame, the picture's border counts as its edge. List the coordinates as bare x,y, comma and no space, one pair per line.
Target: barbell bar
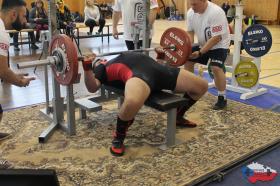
63,59
54,60
171,47
51,60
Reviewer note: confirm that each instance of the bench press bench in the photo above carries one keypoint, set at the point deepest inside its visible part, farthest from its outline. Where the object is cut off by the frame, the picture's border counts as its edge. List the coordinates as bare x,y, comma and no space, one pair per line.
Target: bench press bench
164,102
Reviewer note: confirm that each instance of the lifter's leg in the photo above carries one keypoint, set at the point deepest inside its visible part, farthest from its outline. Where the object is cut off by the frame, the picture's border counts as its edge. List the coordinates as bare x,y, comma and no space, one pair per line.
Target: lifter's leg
194,88
135,95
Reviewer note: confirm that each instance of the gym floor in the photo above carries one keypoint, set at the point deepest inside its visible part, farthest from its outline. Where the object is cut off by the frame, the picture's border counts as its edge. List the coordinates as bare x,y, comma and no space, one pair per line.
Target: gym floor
14,97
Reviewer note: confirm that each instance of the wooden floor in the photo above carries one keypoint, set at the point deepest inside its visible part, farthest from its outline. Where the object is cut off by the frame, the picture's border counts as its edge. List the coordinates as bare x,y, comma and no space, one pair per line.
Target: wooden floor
14,97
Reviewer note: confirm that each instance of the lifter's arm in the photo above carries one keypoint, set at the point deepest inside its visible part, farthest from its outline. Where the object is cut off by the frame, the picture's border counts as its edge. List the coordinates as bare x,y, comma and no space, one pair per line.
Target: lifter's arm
91,82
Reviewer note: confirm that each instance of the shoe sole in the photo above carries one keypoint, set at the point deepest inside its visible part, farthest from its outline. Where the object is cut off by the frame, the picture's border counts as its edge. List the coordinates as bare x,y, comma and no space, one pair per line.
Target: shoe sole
6,137
116,154
219,108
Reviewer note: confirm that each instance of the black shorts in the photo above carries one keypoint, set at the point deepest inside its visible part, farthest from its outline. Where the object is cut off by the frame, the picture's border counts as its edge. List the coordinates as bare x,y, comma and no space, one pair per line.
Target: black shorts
158,77
134,64
217,56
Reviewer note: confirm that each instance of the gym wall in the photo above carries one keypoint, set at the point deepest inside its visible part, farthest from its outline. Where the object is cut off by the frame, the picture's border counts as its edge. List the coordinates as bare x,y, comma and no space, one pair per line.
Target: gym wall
267,10
74,6
180,4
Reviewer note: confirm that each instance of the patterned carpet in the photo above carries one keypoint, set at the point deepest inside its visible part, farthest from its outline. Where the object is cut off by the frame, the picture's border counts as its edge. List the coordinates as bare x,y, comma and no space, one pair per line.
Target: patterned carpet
84,159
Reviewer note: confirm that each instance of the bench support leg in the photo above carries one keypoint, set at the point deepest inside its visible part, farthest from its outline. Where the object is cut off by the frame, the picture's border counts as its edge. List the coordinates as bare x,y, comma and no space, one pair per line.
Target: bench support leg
171,127
171,130
83,113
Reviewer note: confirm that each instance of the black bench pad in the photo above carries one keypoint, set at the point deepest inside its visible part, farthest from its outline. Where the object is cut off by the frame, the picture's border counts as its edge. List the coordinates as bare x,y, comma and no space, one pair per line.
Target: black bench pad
162,101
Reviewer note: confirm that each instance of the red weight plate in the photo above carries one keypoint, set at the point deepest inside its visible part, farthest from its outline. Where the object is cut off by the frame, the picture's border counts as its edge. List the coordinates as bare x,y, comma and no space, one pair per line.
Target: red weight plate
66,47
181,40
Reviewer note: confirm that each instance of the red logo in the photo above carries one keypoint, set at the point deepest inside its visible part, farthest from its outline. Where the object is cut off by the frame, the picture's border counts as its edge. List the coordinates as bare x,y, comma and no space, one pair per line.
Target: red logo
4,46
217,29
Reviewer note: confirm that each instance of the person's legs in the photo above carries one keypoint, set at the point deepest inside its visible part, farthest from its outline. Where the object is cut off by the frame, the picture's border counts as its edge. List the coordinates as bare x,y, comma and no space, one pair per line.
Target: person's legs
219,78
15,40
135,94
129,45
33,40
193,88
38,28
189,66
191,84
101,25
91,24
68,30
140,43
62,28
218,57
220,83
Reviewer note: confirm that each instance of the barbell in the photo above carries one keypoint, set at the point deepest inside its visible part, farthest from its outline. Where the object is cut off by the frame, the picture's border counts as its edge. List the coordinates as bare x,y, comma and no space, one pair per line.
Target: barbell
63,57
171,47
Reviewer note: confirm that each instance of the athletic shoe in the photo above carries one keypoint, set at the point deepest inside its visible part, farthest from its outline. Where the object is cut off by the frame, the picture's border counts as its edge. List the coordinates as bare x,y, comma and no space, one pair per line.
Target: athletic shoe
4,136
184,123
221,103
117,148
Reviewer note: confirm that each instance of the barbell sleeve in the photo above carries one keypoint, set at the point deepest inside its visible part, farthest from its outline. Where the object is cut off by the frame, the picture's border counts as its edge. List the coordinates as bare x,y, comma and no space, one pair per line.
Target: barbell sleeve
171,47
43,62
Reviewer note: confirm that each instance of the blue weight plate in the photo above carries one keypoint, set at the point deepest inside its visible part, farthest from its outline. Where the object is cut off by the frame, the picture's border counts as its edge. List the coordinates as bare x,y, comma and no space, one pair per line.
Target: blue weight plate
257,40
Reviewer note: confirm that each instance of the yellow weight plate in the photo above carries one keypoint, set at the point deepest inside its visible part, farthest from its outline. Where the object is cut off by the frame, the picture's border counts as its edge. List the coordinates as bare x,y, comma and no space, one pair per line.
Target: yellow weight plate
246,74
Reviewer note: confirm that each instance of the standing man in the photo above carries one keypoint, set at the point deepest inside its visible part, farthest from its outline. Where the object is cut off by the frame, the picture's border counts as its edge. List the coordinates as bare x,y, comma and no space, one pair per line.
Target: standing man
12,16
208,22
132,14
